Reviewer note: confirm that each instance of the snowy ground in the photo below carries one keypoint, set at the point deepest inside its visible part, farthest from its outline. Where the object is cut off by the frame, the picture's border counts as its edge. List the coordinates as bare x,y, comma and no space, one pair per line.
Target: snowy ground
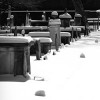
66,75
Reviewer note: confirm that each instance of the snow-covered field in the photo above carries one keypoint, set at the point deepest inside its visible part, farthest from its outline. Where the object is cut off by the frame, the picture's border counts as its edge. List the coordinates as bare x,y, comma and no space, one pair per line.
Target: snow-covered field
66,75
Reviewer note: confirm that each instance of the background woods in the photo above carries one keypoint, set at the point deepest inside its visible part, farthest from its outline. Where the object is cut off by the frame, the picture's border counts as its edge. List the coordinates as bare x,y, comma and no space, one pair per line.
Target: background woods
47,4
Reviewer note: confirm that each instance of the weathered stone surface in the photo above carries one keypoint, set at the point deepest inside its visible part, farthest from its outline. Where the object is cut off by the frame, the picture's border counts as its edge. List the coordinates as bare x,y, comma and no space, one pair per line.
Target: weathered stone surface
82,55
40,93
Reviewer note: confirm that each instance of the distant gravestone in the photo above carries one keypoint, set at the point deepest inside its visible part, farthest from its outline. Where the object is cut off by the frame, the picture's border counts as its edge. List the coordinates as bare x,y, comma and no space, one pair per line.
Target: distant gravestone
54,53
40,93
23,32
82,55
96,41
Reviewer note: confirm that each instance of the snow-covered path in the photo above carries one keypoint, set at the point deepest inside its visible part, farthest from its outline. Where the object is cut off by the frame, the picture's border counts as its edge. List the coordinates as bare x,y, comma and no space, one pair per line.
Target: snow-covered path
66,75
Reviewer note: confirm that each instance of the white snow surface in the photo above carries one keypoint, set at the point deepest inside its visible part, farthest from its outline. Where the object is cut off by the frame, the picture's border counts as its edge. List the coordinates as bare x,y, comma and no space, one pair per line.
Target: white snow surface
66,75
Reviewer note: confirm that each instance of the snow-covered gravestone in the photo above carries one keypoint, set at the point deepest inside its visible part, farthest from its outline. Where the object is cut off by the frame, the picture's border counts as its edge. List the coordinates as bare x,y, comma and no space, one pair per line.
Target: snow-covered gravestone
54,28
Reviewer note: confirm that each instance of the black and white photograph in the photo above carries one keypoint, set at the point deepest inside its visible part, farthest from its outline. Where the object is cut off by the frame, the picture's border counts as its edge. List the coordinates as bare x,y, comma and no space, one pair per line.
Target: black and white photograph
49,50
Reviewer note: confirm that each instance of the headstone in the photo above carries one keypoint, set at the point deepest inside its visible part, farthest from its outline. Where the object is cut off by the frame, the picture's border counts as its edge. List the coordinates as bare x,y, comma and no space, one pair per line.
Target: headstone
40,93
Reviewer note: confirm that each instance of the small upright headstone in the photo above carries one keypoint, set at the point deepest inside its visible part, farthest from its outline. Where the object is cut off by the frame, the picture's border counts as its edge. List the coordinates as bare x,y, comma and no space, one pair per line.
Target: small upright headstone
54,53
40,93
23,32
82,55
96,41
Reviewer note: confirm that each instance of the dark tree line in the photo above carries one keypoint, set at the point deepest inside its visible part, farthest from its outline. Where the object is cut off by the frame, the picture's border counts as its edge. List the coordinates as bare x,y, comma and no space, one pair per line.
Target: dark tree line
21,4
47,4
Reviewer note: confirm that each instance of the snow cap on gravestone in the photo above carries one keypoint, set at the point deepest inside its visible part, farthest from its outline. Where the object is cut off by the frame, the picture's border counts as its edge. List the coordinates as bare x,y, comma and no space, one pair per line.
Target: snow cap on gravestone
54,13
